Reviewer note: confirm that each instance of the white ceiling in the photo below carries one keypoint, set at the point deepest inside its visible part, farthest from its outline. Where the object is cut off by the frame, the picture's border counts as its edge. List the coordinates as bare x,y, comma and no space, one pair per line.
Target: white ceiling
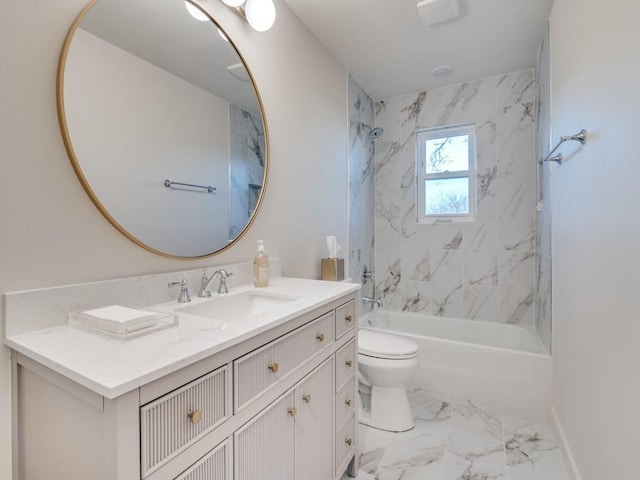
164,34
390,52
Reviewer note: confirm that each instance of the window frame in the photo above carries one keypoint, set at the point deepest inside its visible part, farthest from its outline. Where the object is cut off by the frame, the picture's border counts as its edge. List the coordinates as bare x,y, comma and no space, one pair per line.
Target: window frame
422,137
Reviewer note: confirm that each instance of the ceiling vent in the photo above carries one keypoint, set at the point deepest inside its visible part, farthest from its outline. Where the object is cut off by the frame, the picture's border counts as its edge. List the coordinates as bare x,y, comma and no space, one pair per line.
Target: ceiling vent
433,12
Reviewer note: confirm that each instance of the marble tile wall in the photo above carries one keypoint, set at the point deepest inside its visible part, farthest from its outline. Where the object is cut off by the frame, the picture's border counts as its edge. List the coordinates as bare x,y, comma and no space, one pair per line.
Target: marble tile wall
247,153
481,270
543,213
361,188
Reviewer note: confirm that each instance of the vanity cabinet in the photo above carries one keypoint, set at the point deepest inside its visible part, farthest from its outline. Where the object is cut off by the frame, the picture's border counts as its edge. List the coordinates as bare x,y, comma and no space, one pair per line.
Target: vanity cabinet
277,406
298,419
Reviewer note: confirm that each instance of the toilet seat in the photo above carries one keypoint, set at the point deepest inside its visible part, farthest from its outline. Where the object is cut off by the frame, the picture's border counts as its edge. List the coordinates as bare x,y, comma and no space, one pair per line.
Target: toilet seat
381,345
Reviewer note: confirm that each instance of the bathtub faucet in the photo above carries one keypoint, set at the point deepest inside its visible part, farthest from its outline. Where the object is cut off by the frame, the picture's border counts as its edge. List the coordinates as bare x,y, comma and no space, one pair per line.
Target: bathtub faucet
375,301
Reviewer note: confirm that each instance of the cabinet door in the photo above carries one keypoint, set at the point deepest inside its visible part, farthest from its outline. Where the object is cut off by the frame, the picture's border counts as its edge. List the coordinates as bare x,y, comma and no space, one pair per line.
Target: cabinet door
264,449
316,424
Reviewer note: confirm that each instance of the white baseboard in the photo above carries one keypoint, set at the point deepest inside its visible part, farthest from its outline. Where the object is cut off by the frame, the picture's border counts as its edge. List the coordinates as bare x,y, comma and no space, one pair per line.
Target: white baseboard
564,445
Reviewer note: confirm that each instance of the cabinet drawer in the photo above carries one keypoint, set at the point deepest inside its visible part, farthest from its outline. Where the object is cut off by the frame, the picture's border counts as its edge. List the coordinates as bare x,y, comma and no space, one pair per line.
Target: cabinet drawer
259,370
172,422
214,465
345,318
345,445
345,403
345,363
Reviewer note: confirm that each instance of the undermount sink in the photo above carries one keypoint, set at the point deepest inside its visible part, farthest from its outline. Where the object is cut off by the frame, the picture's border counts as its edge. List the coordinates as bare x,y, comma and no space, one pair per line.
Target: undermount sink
238,306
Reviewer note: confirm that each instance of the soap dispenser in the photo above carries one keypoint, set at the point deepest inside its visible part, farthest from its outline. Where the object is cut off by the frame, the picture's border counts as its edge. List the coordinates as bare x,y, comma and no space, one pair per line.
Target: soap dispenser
261,267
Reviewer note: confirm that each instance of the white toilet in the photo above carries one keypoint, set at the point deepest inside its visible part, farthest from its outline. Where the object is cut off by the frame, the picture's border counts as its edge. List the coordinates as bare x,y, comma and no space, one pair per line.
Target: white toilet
386,362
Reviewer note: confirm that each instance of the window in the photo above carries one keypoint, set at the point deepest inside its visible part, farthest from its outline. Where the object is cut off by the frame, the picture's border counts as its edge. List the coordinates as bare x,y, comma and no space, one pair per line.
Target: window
446,174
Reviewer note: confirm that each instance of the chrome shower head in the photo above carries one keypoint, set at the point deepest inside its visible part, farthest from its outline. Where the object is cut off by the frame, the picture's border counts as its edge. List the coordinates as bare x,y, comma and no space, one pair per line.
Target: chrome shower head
374,132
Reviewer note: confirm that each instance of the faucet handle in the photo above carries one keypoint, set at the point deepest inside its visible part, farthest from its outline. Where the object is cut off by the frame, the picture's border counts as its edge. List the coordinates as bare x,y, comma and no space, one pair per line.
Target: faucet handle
222,287
184,290
204,285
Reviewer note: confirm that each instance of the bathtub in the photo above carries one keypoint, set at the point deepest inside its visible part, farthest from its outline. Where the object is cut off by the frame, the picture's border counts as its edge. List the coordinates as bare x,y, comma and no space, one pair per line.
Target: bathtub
499,365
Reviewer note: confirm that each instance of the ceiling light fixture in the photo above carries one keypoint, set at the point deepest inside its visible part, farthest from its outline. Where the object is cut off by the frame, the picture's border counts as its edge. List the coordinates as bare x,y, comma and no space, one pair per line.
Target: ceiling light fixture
259,14
442,71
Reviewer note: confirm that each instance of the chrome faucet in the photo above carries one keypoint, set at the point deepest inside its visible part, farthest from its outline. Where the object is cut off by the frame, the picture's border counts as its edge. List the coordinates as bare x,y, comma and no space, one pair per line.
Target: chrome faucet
375,301
205,283
184,290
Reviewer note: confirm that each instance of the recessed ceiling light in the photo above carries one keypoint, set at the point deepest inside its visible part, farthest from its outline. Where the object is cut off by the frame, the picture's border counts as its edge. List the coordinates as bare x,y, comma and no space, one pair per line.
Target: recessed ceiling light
442,70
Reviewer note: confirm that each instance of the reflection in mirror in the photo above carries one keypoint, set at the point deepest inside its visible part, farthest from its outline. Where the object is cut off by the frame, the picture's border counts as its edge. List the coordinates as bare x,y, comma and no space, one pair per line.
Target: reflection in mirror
149,94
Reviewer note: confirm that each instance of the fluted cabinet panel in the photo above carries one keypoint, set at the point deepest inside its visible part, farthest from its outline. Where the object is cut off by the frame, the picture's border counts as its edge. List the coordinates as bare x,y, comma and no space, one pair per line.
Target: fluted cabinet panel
345,318
214,466
265,447
345,444
315,424
345,402
171,423
345,364
263,368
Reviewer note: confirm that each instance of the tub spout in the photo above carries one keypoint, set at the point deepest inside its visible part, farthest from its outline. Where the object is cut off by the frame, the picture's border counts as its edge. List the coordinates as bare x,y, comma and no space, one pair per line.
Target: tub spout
375,301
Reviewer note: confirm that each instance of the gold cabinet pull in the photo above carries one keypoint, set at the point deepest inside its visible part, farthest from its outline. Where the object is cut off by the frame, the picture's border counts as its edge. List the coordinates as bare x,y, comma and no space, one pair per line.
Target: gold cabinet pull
348,318
348,441
307,398
348,403
195,416
292,411
320,337
273,367
348,363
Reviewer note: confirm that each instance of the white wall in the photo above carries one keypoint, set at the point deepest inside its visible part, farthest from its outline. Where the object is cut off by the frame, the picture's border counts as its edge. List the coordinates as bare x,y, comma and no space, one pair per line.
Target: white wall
52,234
133,125
596,232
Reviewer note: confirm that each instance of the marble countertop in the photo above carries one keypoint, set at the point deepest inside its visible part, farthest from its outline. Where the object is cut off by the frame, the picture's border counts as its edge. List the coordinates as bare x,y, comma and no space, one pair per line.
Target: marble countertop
112,366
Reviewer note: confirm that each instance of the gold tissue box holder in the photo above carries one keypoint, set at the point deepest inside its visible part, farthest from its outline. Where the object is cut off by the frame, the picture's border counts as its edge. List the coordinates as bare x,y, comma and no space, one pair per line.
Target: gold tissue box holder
332,269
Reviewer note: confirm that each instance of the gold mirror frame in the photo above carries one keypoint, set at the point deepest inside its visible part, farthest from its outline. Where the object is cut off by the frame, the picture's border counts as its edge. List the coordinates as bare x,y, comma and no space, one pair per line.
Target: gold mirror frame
85,183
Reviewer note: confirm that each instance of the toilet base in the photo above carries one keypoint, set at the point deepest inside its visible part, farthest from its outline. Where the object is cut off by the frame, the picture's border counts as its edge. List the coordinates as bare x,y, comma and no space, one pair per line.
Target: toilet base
389,410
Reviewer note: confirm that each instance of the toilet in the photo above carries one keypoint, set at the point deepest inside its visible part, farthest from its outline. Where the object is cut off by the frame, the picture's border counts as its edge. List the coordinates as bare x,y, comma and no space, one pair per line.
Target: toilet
385,363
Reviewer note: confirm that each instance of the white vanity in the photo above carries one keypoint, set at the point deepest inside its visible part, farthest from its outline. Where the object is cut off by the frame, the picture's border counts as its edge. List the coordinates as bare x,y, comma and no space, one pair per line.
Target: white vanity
270,396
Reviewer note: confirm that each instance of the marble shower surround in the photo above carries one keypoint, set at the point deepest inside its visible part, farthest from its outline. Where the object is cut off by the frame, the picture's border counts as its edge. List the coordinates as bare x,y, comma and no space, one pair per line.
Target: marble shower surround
247,154
479,270
361,187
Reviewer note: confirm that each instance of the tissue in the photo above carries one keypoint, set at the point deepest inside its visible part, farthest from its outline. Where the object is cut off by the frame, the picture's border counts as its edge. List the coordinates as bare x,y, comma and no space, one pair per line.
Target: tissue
333,246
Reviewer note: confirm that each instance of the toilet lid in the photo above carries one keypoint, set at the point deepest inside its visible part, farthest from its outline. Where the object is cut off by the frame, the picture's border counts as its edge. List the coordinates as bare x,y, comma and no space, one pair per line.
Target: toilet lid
382,345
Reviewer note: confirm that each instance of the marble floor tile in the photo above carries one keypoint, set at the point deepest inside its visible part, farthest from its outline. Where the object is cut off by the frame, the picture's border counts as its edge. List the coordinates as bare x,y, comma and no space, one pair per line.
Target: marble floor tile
460,440
475,446
533,453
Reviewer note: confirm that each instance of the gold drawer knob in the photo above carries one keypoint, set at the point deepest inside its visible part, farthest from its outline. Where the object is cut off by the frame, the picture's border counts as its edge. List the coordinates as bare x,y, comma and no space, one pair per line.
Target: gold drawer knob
273,367
292,411
348,441
348,318
307,398
195,416
320,337
348,403
348,363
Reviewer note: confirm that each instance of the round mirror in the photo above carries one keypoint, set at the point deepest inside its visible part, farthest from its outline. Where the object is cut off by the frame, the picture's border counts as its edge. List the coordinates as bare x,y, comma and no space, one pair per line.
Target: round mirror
163,124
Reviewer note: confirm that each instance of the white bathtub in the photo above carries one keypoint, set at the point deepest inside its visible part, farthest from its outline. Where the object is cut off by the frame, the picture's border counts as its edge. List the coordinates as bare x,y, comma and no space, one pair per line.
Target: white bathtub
496,364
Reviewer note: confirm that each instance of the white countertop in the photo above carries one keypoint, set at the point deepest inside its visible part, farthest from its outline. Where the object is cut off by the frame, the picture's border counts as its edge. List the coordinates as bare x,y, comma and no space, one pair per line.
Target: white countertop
111,366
